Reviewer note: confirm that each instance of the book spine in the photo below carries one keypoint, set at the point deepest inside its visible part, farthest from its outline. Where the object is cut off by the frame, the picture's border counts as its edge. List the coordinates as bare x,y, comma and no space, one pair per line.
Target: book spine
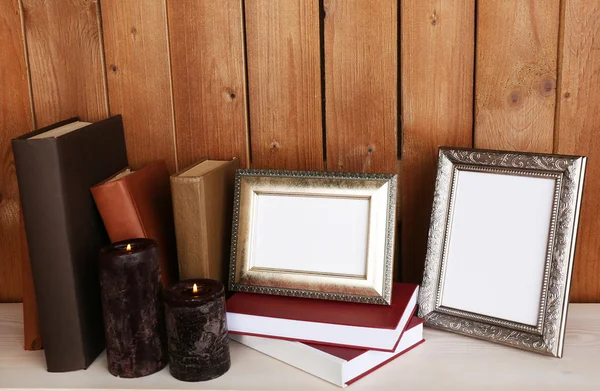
203,225
39,175
190,222
87,157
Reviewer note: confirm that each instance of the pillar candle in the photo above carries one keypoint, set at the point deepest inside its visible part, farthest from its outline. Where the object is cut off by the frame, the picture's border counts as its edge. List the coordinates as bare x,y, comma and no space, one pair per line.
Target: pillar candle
130,283
197,330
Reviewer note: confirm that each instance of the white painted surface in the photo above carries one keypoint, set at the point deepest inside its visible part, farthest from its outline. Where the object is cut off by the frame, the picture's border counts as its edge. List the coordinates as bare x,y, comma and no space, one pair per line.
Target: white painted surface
498,243
309,233
445,361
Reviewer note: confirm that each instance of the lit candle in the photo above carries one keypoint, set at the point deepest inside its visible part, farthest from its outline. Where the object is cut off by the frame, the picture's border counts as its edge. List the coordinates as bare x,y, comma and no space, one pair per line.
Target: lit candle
197,330
133,311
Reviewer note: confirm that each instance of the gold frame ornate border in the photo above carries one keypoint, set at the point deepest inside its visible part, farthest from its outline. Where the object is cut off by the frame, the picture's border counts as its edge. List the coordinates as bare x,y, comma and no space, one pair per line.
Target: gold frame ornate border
547,337
374,288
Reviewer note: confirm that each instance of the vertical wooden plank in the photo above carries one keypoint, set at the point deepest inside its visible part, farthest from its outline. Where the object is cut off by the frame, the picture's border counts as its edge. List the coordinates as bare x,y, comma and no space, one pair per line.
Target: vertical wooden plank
577,131
284,84
139,79
65,60
15,119
516,74
361,69
209,93
437,108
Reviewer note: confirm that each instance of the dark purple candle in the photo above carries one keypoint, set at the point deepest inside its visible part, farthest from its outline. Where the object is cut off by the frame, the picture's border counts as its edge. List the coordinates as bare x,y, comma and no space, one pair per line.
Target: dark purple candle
133,311
197,330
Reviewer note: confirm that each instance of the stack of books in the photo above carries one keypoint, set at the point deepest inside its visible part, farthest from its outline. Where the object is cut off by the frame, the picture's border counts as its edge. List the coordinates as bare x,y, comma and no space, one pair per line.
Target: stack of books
339,342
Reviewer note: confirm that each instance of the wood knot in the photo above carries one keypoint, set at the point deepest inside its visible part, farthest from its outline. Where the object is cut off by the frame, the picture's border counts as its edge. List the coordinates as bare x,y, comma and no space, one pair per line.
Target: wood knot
229,93
274,147
567,95
133,32
114,68
370,148
328,7
547,87
514,98
434,18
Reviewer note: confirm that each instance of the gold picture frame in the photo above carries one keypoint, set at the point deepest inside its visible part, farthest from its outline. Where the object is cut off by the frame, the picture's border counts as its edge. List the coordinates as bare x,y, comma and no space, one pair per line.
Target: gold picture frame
314,234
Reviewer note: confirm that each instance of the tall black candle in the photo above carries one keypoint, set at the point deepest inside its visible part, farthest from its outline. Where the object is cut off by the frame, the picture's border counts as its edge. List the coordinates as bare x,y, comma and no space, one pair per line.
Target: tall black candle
133,311
197,330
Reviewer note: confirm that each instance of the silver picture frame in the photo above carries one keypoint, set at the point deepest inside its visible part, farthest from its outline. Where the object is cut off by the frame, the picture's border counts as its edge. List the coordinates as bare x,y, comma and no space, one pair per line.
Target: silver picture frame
448,304
275,251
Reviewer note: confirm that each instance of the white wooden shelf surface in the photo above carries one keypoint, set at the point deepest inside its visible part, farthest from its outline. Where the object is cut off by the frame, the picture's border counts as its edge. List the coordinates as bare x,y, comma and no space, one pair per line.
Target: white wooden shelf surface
445,361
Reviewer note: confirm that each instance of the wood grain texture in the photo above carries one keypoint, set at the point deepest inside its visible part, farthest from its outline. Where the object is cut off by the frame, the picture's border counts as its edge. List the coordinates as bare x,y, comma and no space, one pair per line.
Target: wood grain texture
209,92
284,84
577,131
516,75
15,119
139,79
438,364
361,73
437,109
65,59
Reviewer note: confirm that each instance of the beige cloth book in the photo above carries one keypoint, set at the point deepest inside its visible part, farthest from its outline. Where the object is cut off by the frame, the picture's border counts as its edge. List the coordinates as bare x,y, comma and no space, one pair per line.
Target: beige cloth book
203,207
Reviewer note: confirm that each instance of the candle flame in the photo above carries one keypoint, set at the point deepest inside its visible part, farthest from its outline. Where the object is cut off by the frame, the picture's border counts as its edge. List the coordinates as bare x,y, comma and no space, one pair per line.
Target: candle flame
195,288
128,247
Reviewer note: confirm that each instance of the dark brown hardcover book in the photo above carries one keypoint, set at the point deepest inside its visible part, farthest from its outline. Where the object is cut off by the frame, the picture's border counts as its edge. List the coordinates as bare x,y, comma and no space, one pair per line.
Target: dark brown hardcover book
56,166
137,204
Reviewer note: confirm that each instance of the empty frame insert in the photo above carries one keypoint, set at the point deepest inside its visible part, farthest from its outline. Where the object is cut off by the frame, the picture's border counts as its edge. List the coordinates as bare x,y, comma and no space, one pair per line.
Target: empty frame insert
501,246
314,234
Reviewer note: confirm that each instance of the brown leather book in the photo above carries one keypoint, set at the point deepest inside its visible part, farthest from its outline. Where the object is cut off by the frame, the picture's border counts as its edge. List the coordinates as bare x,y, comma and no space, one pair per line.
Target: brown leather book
137,204
55,168
203,206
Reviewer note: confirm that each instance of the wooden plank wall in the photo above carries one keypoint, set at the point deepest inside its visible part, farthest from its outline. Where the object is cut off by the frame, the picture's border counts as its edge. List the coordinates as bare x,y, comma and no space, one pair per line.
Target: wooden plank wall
437,109
209,83
361,87
577,130
341,85
284,84
15,117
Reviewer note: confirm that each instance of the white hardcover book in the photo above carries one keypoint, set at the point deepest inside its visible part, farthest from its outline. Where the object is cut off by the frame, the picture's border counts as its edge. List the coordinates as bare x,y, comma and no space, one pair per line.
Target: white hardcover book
338,365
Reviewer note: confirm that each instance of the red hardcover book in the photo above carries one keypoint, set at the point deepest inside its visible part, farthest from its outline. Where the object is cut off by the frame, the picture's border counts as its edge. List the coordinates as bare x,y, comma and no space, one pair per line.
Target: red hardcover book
321,321
340,366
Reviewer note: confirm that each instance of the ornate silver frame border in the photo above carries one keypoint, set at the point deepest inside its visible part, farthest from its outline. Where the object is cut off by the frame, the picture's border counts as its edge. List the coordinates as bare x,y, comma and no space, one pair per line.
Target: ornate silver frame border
384,299
547,337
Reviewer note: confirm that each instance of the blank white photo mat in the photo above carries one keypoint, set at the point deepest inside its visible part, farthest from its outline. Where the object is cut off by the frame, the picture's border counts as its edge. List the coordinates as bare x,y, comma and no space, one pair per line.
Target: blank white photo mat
317,234
497,248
